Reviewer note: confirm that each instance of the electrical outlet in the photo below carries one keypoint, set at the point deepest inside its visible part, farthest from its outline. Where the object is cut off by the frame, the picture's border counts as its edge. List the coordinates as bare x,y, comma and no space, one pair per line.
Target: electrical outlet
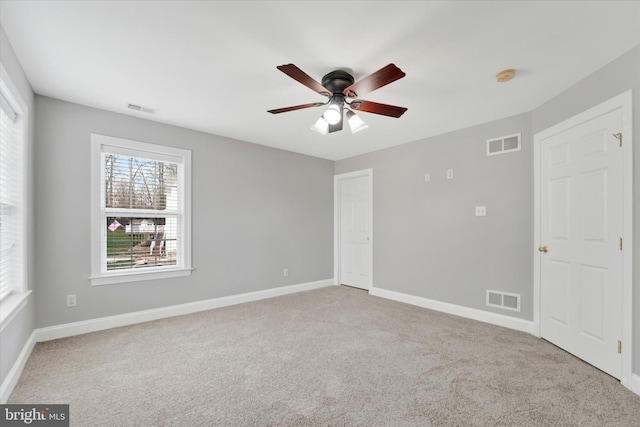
427,177
449,173
481,211
286,272
72,300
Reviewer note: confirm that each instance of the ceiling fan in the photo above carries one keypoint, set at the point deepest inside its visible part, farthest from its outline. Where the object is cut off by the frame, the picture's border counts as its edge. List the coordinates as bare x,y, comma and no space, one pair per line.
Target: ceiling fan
339,87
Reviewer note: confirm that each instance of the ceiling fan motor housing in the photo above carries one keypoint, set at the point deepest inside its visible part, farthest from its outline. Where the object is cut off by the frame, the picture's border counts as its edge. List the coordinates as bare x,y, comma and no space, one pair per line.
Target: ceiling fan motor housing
337,81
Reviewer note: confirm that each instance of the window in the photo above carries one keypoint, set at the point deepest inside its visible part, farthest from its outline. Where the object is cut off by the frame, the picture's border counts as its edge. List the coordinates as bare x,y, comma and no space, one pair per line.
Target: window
141,211
12,181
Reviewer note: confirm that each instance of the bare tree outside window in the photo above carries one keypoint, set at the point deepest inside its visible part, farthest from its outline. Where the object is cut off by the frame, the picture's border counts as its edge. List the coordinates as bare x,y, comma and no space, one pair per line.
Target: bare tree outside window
144,231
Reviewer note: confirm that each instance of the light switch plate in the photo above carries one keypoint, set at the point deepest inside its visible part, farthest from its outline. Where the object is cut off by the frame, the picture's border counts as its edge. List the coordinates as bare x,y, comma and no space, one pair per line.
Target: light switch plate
72,300
481,211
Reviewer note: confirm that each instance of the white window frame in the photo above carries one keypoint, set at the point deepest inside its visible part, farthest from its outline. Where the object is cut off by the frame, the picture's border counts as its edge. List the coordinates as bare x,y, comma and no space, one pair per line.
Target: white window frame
101,144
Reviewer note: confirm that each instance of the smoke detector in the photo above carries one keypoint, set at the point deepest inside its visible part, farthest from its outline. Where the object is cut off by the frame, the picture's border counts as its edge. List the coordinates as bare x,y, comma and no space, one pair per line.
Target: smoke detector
505,75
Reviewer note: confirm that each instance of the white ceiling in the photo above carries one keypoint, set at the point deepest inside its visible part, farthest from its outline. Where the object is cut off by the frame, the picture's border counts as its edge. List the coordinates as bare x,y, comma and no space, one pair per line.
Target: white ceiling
211,66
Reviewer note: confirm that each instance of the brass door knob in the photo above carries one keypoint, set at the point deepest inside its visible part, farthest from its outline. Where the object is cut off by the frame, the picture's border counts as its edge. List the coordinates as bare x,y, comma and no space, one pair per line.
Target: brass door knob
543,249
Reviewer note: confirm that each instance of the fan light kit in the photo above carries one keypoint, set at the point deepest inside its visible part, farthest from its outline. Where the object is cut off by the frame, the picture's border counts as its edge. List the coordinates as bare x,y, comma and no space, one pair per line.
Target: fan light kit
338,86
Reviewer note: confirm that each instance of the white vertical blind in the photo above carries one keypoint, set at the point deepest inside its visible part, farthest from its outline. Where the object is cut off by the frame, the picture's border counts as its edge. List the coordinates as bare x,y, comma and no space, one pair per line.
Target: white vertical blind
10,199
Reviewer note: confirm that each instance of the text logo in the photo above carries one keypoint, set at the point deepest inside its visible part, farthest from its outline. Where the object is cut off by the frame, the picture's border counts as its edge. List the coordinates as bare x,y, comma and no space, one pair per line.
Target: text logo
35,415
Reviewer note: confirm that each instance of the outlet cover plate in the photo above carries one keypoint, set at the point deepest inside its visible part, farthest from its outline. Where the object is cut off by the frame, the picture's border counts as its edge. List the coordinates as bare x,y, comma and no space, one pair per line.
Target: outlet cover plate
481,211
72,300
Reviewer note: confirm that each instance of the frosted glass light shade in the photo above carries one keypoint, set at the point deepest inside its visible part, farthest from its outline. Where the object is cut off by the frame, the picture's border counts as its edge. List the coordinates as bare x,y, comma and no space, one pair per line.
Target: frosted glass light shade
321,126
355,123
333,114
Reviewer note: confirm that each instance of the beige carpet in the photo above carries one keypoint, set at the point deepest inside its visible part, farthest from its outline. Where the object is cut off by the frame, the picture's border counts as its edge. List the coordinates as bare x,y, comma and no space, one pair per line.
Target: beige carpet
331,357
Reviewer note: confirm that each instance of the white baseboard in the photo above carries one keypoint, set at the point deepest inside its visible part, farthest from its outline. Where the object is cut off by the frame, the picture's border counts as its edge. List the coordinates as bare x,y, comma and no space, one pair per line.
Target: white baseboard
458,310
102,323
14,374
635,384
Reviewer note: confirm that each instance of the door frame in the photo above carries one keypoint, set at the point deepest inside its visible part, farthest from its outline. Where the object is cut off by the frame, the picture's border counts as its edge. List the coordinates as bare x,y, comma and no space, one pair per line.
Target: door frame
624,103
337,179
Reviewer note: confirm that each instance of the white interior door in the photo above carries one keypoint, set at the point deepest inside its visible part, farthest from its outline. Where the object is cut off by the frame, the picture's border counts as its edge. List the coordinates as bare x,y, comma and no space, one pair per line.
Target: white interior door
581,222
355,231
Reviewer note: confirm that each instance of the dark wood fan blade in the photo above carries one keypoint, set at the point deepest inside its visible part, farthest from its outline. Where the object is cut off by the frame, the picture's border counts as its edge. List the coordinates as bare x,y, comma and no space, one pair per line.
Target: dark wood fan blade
374,81
295,107
299,75
376,108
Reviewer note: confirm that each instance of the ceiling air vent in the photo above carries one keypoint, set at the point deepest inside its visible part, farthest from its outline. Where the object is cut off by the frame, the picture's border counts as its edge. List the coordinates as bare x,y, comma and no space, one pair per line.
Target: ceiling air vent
504,144
140,108
504,300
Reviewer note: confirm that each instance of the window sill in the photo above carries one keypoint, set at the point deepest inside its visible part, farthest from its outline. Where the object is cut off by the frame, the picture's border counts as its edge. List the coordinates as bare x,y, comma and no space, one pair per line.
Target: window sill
10,306
138,276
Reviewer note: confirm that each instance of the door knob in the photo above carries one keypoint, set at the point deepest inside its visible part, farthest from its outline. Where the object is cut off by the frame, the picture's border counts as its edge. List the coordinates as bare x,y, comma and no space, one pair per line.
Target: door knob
543,249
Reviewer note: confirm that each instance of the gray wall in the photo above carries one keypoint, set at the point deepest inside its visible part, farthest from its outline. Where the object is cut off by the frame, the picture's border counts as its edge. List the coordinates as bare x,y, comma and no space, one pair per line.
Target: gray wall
613,79
428,241
14,336
255,211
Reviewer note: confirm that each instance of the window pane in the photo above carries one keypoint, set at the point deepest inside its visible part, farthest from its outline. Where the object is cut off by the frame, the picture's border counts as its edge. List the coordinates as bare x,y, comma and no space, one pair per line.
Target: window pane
140,242
137,183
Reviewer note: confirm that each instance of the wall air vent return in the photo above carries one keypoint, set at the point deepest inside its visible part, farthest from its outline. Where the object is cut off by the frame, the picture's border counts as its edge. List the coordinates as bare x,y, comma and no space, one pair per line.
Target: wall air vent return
504,300
140,108
504,144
